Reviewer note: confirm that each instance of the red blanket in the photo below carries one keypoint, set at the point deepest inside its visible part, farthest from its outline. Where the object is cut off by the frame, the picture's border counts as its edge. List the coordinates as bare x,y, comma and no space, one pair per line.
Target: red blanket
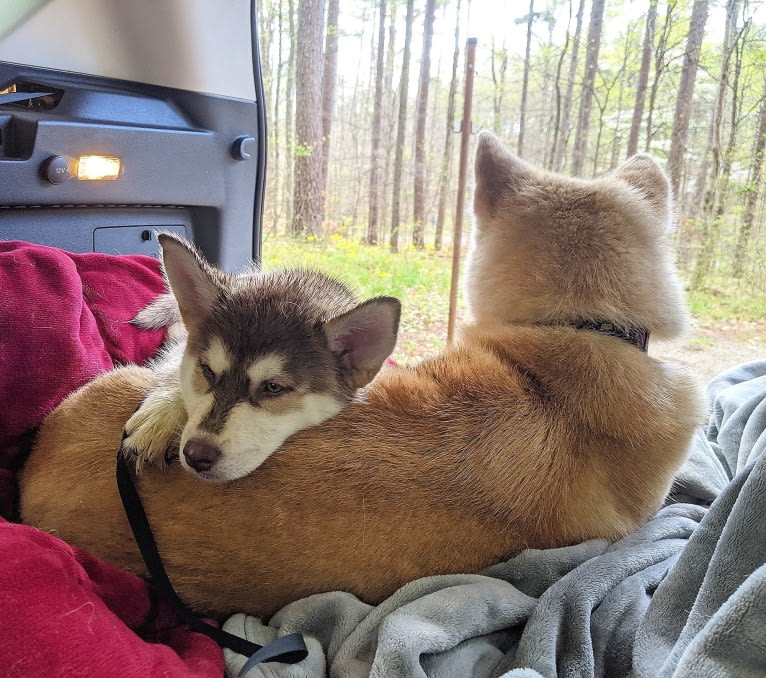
63,320
66,613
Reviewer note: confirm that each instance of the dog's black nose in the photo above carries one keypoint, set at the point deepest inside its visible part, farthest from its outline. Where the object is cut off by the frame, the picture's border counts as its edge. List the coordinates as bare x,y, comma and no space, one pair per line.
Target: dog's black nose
201,455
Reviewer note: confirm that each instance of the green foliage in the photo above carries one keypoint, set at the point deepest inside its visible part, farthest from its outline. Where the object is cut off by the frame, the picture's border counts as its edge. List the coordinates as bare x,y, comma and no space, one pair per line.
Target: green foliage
722,298
702,342
303,150
422,279
419,279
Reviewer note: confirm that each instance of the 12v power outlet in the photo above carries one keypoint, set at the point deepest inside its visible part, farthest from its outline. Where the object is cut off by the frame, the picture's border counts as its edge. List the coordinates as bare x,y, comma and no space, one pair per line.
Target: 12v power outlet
56,169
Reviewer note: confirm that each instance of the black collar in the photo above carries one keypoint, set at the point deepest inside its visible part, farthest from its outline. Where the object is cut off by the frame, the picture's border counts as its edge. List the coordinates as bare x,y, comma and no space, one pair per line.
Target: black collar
637,336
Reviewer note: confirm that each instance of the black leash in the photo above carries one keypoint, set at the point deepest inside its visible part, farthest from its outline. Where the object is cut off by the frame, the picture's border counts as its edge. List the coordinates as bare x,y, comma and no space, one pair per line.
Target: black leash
288,649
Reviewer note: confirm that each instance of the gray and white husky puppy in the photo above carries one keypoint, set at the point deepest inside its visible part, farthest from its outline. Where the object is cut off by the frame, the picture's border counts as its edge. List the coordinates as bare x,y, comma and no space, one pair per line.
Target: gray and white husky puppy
259,356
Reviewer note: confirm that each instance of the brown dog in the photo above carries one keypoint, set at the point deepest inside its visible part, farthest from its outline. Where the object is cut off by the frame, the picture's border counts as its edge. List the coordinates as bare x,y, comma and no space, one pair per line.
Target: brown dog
539,429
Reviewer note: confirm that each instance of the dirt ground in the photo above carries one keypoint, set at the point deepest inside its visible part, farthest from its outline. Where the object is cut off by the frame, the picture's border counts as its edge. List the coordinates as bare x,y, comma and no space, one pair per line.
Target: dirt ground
710,348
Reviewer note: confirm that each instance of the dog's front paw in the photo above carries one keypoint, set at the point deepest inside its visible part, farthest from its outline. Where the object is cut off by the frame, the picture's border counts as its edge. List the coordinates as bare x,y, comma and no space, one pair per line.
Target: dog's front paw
154,431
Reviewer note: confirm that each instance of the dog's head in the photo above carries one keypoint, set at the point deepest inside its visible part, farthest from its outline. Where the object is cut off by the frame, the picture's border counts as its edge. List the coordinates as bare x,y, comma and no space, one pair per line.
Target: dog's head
267,355
550,249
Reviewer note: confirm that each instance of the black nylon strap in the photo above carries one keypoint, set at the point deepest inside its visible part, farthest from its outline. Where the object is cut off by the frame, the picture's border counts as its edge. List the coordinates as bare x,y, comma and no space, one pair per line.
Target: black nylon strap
637,336
288,649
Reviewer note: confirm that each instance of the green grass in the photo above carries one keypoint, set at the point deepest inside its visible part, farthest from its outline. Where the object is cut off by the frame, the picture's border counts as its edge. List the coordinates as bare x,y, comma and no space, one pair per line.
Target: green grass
420,279
370,270
725,300
702,342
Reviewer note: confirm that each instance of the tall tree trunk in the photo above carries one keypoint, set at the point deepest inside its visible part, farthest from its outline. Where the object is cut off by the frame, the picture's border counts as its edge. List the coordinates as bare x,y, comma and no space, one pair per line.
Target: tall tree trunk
377,121
400,129
266,37
713,217
752,190
550,91
499,65
329,82
586,100
276,167
525,81
447,156
684,98
659,69
736,115
418,193
557,98
389,122
710,163
290,122
307,197
354,160
606,90
563,136
617,138
643,78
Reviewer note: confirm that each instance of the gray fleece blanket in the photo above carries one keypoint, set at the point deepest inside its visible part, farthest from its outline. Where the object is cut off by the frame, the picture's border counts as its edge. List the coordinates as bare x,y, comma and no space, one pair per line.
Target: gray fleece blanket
683,596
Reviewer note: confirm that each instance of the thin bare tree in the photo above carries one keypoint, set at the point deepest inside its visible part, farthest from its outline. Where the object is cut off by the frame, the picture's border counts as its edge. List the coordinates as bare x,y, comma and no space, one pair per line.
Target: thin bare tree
276,167
421,108
307,195
499,67
620,78
555,124
735,116
444,171
712,217
752,190
710,163
660,65
401,127
377,122
643,78
566,111
287,209
389,120
684,98
586,98
602,96
329,83
525,80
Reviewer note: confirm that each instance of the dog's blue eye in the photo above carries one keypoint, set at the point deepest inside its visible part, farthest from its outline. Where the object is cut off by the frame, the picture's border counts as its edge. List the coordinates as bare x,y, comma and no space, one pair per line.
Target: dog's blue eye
208,373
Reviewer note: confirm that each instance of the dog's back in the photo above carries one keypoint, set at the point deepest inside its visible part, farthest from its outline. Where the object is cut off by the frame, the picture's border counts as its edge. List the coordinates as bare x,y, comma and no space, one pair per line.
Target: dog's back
531,432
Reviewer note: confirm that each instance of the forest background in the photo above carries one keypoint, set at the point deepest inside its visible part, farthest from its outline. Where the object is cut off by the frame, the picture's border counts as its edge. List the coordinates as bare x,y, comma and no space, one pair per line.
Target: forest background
365,101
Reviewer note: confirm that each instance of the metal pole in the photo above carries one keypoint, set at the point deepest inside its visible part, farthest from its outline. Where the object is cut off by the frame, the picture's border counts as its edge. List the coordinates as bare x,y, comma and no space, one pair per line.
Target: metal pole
457,238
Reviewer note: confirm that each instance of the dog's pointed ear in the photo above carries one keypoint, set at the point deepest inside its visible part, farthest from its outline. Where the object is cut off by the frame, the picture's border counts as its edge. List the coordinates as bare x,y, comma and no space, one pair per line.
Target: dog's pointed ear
364,337
642,172
190,278
497,171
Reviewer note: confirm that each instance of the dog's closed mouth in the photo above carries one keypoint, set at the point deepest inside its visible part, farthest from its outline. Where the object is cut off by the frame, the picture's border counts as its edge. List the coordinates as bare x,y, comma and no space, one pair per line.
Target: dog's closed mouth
209,476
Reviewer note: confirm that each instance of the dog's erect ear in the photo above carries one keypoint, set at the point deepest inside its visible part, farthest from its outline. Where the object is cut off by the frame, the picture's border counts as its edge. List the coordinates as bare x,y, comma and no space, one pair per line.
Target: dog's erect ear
642,172
498,173
364,337
190,277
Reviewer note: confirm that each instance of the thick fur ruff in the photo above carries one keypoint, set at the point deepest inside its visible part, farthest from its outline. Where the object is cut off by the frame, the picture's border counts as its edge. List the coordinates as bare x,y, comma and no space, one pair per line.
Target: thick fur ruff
521,435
